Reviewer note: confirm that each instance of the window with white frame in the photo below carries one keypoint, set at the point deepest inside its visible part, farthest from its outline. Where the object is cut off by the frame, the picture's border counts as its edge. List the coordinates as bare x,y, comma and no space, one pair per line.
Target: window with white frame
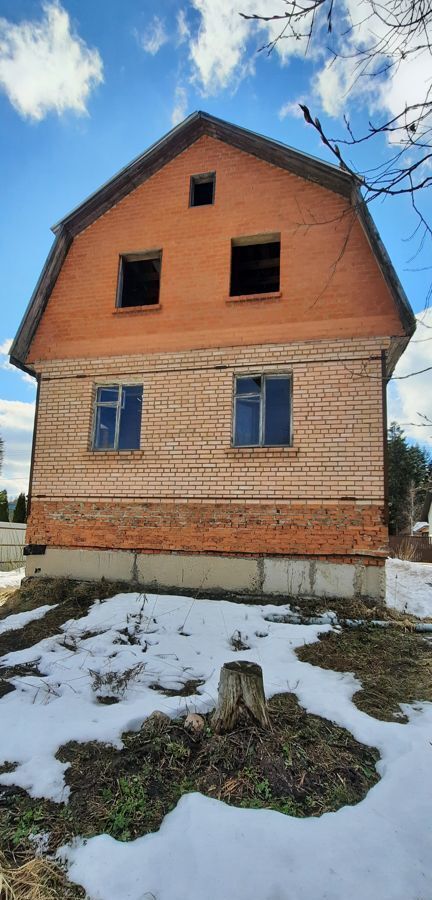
117,420
262,411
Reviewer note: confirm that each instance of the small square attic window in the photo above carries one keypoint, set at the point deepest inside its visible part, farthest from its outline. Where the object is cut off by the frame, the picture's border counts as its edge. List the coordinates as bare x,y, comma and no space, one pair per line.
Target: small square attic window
139,279
202,189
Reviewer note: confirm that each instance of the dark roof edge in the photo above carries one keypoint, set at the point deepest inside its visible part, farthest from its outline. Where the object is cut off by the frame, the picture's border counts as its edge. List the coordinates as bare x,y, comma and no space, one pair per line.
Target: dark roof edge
177,140
38,301
394,285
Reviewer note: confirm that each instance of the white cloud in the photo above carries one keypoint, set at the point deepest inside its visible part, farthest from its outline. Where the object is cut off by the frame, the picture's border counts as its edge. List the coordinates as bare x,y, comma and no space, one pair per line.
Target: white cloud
291,108
45,66
16,429
16,415
223,52
153,37
183,30
180,105
5,364
413,396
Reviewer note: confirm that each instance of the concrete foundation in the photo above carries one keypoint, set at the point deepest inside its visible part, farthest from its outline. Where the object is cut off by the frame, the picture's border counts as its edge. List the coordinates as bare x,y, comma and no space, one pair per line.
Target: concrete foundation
212,574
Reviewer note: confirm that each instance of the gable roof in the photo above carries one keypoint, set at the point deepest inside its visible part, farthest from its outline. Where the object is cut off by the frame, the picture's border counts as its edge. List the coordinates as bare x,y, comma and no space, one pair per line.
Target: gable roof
157,156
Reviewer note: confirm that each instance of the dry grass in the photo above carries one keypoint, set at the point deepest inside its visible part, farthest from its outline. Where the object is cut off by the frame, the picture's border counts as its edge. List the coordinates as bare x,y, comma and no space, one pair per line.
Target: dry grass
408,551
394,666
35,879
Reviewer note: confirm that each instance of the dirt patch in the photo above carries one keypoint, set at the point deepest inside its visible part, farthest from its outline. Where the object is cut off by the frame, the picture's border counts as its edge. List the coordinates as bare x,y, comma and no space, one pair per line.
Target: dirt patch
394,666
188,690
301,766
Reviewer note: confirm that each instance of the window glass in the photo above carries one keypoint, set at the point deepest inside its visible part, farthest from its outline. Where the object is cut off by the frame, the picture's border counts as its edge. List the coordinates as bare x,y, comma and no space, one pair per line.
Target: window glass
130,418
277,411
105,427
248,385
262,411
108,395
247,423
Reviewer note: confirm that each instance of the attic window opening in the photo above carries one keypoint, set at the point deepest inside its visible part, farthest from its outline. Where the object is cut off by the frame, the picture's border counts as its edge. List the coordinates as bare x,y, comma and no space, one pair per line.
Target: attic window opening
255,265
202,189
139,279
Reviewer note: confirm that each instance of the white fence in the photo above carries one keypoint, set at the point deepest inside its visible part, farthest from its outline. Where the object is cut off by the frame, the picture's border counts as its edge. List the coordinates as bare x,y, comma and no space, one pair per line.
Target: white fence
12,540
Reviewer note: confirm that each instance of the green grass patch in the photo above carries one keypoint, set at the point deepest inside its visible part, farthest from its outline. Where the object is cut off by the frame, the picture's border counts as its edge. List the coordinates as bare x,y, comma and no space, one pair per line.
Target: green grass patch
302,766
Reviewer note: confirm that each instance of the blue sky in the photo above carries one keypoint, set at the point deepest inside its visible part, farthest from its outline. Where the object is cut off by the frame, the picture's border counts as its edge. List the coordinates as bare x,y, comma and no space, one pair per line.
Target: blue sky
85,87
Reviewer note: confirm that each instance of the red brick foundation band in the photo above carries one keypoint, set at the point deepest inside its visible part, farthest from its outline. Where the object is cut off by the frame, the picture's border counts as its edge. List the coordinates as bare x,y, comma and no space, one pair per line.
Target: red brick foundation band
336,531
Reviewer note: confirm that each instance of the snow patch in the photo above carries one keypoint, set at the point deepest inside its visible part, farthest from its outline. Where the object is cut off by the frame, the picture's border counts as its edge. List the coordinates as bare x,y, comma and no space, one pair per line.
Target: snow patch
12,578
20,620
409,587
123,648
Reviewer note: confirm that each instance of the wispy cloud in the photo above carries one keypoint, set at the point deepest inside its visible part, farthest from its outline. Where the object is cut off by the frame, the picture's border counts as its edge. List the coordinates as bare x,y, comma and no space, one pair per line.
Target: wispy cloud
291,108
183,30
153,37
5,364
180,105
223,51
45,66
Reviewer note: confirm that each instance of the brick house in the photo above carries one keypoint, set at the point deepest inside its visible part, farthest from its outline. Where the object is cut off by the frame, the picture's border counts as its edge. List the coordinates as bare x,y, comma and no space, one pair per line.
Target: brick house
211,335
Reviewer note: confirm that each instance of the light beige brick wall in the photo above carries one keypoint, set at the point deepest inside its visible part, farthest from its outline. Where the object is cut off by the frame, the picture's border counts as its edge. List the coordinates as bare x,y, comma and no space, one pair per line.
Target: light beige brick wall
187,489
186,429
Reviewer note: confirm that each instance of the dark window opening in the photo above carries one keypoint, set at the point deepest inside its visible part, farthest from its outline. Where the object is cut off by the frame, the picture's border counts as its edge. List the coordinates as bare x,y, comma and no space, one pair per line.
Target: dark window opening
139,281
255,267
262,411
202,189
118,417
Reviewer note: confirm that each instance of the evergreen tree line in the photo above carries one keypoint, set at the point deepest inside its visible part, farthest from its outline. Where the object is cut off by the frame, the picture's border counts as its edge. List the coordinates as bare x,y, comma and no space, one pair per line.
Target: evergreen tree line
410,479
20,512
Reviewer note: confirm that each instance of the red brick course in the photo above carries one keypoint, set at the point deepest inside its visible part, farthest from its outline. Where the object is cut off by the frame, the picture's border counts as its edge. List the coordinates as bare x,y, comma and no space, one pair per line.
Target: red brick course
340,530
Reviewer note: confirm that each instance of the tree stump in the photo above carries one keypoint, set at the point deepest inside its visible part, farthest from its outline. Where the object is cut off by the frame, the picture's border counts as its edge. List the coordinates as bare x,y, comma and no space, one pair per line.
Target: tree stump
241,692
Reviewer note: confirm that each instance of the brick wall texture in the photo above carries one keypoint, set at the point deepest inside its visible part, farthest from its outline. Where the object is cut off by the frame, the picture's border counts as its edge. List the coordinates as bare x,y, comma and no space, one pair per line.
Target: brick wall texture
187,488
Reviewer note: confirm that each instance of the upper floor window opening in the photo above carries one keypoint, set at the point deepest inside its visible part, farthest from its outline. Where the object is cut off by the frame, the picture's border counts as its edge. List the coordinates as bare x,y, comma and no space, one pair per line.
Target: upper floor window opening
139,279
255,265
202,189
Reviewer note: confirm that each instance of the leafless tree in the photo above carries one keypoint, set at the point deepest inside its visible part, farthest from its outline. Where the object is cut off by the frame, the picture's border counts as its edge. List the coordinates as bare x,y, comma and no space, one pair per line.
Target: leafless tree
371,48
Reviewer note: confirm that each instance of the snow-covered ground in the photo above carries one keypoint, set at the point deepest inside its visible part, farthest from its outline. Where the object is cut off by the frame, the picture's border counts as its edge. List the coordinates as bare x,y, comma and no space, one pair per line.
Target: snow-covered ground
11,579
379,848
409,587
19,620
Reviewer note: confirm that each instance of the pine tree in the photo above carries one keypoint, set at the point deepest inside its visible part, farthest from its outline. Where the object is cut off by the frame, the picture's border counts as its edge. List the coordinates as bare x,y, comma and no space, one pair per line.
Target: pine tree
4,507
20,511
410,474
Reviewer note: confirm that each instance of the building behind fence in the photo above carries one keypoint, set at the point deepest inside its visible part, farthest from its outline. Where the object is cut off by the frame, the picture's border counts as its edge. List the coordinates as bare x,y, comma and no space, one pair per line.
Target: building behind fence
12,540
